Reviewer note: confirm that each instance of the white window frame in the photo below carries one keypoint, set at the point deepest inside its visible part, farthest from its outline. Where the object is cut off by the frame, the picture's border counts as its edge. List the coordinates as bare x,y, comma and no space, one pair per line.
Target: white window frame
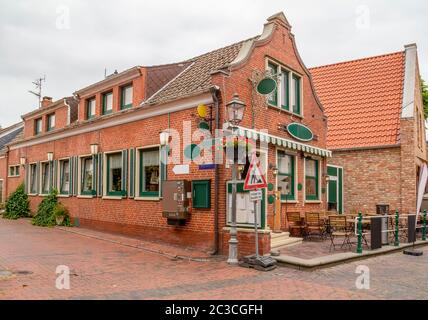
79,176
105,176
58,180
14,170
137,173
30,178
291,72
41,178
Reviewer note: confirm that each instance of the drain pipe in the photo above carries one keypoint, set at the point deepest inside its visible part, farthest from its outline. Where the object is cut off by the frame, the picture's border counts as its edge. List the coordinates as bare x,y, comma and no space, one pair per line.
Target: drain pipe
214,91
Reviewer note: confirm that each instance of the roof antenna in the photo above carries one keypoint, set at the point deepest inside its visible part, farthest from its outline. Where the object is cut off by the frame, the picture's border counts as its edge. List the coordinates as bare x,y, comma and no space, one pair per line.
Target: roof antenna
38,84
105,73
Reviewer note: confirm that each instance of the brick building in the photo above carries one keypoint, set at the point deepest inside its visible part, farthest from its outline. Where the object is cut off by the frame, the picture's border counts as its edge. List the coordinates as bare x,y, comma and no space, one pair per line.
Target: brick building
101,148
7,171
376,131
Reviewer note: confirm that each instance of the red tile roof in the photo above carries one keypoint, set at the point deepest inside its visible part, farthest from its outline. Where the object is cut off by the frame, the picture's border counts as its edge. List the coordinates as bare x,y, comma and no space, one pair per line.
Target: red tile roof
362,100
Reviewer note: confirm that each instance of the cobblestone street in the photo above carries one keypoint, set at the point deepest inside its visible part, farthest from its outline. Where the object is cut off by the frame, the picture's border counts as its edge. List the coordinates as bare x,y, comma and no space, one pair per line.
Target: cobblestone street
107,270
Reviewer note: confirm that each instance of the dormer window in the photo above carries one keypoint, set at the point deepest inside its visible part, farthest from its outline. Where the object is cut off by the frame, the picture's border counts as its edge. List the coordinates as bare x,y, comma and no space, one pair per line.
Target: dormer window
126,97
38,126
90,108
287,96
107,102
50,122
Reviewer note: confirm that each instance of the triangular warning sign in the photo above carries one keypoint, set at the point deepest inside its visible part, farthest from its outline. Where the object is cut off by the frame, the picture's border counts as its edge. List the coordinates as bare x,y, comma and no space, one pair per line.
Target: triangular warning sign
255,179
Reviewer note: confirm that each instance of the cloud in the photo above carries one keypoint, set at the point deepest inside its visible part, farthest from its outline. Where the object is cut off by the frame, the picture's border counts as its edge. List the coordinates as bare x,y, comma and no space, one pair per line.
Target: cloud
119,35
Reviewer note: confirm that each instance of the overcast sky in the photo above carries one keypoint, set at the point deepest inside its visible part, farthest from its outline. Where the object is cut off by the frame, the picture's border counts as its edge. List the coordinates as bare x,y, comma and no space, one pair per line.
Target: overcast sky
72,42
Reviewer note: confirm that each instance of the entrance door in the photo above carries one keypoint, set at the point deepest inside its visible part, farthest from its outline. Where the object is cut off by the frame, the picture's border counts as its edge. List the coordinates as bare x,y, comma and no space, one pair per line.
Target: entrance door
335,189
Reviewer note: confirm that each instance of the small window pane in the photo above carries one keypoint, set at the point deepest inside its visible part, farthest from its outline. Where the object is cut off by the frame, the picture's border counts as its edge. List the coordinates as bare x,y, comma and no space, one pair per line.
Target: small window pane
115,172
45,178
311,168
285,164
17,171
108,102
51,122
311,187
296,94
87,175
33,179
127,94
150,170
91,108
38,126
284,90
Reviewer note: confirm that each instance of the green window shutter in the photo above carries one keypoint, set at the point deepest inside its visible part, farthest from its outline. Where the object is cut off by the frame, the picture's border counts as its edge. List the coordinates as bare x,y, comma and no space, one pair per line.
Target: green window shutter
95,174
201,194
163,167
131,173
125,173
55,175
71,175
75,176
100,175
27,179
38,177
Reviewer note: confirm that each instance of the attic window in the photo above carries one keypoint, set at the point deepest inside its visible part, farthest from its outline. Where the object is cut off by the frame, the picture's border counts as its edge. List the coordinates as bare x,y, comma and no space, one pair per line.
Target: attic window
38,126
107,102
126,97
50,122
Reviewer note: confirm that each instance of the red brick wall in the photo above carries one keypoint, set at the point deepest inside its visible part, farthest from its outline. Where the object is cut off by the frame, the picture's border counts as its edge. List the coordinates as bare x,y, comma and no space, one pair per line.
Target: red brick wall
371,177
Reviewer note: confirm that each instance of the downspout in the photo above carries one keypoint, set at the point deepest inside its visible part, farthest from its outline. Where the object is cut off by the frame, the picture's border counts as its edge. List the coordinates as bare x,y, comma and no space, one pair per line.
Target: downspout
214,91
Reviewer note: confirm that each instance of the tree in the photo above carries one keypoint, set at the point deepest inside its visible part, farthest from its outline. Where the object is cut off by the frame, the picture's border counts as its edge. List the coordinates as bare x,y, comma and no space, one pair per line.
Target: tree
425,97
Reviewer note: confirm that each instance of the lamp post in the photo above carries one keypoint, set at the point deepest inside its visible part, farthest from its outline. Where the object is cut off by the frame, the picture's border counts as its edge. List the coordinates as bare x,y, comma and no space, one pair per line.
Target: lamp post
235,112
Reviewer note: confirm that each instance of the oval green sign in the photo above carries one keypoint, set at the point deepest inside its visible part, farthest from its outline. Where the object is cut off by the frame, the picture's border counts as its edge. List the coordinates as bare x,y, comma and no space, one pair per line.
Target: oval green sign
266,86
300,132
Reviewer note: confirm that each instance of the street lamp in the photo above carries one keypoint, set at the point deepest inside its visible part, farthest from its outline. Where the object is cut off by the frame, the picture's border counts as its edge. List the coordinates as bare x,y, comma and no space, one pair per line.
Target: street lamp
50,156
164,138
22,161
235,112
94,149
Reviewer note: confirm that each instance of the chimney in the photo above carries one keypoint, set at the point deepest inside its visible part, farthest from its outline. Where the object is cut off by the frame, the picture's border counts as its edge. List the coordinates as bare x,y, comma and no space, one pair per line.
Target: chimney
46,101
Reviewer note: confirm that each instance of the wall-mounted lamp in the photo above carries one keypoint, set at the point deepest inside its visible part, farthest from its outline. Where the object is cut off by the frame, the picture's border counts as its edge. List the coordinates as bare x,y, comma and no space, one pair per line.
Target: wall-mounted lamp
94,149
22,161
50,156
164,138
327,178
274,169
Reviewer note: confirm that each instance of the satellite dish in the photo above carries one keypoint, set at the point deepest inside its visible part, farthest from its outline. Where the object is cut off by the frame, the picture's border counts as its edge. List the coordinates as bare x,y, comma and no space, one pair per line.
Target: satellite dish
266,86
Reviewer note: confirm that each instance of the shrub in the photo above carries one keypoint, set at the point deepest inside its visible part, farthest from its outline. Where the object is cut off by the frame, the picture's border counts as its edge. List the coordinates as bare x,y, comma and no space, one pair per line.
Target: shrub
48,211
45,212
17,205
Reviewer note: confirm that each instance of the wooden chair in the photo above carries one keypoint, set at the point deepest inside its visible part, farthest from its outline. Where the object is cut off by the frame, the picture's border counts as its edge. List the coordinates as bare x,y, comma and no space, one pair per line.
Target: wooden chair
295,223
339,229
314,225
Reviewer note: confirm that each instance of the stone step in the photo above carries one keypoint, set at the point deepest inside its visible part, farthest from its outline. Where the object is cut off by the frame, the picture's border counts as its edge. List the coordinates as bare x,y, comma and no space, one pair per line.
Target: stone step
286,242
274,235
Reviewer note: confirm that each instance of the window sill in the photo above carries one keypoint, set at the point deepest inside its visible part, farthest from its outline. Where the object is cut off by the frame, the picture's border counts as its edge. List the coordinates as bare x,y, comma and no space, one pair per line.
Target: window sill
63,196
112,198
289,202
147,198
33,195
284,111
82,196
313,201
13,176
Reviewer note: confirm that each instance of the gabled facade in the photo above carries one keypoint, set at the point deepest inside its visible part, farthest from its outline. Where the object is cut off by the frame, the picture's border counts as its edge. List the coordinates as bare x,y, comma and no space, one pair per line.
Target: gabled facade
107,165
376,129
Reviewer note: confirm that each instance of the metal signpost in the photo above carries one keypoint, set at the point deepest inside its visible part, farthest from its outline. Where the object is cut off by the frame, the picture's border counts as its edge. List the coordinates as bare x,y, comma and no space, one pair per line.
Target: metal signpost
255,182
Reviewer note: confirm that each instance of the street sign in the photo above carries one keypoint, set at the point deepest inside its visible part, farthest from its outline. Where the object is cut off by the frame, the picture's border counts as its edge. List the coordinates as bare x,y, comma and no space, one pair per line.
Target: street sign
256,195
181,169
255,178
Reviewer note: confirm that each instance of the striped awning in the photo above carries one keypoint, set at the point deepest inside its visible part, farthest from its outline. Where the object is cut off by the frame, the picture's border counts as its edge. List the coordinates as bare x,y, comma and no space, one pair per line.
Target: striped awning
281,142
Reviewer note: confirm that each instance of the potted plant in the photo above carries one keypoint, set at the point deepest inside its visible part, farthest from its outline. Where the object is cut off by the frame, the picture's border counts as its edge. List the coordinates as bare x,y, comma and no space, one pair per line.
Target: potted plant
60,213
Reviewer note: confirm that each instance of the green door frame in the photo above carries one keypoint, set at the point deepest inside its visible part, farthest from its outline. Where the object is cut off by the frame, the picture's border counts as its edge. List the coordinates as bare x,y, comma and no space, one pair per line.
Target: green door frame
336,174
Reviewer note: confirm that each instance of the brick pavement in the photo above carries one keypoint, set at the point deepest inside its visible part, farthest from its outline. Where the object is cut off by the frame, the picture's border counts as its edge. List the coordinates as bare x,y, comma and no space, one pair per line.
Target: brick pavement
109,270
